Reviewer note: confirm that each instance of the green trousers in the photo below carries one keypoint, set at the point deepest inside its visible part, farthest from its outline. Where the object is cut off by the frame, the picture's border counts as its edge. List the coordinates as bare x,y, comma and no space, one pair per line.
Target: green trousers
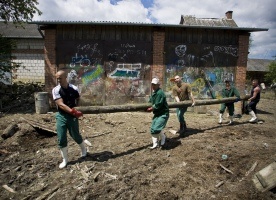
158,123
230,107
66,122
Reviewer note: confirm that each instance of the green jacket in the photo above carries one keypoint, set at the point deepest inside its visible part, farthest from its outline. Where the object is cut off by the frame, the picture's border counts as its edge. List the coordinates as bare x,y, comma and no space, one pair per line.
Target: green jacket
230,93
159,103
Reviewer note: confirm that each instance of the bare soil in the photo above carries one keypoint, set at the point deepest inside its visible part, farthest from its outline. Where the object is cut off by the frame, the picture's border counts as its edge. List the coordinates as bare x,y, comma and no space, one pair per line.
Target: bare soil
120,165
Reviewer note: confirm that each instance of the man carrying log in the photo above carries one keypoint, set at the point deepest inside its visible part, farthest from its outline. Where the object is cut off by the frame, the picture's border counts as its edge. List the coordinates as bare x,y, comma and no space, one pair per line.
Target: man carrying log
228,91
254,99
181,92
66,97
160,110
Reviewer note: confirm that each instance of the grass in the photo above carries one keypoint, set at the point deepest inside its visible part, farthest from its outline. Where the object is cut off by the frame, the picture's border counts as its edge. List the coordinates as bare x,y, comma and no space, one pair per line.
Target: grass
268,94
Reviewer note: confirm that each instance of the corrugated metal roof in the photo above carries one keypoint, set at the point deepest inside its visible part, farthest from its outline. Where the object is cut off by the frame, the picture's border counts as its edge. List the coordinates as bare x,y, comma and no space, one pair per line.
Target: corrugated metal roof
200,26
11,31
189,20
261,65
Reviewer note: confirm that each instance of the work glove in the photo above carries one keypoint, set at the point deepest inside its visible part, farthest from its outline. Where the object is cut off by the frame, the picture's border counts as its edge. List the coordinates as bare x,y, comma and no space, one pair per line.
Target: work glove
149,109
237,99
76,113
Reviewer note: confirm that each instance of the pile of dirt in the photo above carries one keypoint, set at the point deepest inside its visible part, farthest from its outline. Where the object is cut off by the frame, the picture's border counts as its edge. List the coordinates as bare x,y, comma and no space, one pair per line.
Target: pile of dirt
212,162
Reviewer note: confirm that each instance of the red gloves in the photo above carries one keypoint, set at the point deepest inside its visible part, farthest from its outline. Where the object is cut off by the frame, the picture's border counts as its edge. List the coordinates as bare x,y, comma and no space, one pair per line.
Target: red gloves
149,109
76,113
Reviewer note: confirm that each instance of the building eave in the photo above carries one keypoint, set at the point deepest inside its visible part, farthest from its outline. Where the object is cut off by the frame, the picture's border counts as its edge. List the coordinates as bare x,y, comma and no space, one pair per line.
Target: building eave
112,23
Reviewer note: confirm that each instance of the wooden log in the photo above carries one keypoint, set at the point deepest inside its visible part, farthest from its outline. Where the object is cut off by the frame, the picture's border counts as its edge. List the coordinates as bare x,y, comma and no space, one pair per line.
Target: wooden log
144,106
10,130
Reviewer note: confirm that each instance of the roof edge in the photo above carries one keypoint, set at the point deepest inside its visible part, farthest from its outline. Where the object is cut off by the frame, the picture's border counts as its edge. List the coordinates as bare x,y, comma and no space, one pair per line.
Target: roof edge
145,24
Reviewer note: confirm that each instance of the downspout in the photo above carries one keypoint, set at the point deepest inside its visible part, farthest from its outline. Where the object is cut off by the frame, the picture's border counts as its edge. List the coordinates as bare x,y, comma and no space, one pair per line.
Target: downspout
40,31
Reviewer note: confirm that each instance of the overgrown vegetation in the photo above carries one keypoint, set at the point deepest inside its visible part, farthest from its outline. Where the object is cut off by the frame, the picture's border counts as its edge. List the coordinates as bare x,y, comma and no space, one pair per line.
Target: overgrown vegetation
271,75
6,63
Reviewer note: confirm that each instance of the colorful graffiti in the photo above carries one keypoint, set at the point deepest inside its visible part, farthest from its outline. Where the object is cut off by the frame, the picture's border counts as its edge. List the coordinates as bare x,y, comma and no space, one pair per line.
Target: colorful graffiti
205,83
204,67
125,82
83,61
126,71
91,76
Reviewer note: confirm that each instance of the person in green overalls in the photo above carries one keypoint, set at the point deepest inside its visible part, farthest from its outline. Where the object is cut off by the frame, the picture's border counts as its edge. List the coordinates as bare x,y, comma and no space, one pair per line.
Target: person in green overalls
160,110
228,91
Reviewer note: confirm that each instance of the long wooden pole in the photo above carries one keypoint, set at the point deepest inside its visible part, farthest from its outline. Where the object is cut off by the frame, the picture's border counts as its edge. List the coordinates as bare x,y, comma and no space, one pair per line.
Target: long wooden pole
144,106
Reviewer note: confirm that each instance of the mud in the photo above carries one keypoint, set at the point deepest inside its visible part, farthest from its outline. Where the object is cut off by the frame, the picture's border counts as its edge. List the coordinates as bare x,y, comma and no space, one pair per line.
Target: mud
119,164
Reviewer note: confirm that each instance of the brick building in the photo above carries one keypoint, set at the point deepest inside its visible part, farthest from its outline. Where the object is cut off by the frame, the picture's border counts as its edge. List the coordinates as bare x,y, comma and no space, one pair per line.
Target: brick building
113,62
29,52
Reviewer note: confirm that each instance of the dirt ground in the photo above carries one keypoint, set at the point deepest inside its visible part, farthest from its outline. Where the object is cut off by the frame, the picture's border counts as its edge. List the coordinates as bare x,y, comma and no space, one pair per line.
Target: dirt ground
120,165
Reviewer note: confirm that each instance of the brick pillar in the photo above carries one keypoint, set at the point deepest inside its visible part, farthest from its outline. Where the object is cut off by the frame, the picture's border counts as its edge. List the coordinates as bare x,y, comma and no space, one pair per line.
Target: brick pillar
241,67
158,55
50,62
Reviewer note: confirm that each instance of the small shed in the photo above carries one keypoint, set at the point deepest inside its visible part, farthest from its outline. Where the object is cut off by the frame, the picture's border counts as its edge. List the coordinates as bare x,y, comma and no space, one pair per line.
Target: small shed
257,68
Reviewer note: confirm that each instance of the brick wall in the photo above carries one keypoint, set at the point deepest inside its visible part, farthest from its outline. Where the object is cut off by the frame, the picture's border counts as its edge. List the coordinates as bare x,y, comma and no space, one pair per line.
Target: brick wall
241,67
242,61
31,69
158,55
29,54
50,62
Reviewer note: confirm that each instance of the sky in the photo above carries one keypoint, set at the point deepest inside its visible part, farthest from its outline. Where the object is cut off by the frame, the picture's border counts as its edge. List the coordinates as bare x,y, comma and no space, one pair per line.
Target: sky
246,13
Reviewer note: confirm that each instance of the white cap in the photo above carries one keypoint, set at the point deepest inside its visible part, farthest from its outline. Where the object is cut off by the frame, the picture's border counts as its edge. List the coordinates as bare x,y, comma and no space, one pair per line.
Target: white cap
155,81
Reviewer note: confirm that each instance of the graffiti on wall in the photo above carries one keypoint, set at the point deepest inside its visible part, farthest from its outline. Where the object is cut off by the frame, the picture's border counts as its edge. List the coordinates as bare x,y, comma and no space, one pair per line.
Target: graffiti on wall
127,71
85,64
128,53
227,49
126,81
205,82
204,67
111,71
86,72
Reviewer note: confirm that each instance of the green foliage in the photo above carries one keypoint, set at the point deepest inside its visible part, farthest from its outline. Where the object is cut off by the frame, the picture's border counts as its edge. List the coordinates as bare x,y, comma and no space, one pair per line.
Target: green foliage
271,75
18,11
6,63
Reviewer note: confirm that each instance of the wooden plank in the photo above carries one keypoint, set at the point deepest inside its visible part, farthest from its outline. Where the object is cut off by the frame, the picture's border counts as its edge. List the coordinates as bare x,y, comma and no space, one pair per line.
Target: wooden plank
265,179
39,125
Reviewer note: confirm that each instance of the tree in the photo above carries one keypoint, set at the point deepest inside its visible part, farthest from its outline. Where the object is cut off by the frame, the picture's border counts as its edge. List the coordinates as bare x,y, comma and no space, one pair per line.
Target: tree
19,12
6,63
271,75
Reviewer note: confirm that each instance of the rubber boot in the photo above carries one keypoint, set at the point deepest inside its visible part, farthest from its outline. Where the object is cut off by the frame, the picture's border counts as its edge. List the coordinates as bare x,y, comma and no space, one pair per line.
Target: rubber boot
83,150
183,130
154,141
231,120
64,154
220,118
254,118
180,128
163,138
184,127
